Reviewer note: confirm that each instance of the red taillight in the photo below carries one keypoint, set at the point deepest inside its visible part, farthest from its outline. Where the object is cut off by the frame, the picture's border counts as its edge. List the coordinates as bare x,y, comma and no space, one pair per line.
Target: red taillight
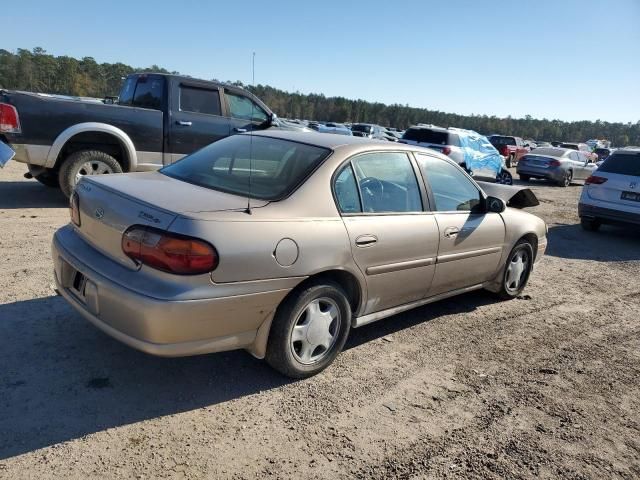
9,119
504,151
554,163
169,252
595,180
446,150
74,208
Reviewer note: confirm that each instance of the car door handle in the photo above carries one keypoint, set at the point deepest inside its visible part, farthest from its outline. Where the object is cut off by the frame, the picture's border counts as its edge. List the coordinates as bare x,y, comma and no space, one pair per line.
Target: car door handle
366,240
184,124
451,232
240,130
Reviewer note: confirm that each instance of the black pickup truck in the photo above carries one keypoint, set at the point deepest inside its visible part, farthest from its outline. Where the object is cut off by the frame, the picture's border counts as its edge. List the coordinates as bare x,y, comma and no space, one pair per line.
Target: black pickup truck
156,120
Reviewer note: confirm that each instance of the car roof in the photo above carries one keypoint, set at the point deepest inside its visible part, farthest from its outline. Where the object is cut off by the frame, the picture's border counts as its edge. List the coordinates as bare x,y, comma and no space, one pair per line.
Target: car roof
334,142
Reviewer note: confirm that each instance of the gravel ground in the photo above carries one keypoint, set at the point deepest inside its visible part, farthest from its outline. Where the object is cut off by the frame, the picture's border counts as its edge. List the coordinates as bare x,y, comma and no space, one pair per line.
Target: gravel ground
542,386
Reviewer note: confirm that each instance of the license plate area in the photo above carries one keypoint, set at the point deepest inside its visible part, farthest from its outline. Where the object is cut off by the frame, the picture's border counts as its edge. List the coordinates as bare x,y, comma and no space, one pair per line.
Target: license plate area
632,196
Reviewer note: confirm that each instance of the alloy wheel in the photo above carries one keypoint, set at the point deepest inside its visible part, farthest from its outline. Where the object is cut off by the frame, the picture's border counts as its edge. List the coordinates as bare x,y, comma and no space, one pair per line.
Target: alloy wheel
93,167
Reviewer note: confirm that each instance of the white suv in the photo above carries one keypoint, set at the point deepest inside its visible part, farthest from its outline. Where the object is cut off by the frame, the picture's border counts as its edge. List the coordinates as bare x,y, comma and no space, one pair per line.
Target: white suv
444,140
612,193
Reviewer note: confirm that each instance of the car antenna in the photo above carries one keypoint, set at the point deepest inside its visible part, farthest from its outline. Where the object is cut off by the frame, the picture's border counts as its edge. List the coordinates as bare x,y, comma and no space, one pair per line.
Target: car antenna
253,83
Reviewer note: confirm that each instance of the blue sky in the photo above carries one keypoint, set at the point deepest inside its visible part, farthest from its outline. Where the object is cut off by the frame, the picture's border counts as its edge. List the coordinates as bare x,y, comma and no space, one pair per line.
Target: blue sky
566,59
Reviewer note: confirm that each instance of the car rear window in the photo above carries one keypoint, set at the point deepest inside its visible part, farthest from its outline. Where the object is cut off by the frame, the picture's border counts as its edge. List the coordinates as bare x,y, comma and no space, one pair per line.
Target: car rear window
572,146
426,135
622,163
549,151
362,128
253,166
498,140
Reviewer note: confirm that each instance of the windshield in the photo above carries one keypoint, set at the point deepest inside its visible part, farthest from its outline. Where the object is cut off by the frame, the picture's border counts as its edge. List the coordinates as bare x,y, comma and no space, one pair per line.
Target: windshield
502,141
362,128
627,163
277,166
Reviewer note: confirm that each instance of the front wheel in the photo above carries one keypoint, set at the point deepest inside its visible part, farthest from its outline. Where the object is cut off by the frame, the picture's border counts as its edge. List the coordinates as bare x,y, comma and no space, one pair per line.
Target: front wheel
517,270
309,330
85,162
525,178
504,177
510,160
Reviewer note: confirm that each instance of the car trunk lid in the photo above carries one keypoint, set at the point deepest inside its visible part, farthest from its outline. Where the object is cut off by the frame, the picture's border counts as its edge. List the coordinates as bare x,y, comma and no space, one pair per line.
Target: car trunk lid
110,204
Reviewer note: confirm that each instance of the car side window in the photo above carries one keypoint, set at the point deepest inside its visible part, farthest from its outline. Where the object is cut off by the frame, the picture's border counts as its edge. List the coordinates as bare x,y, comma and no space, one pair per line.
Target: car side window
346,191
387,183
245,108
199,100
149,93
452,189
574,156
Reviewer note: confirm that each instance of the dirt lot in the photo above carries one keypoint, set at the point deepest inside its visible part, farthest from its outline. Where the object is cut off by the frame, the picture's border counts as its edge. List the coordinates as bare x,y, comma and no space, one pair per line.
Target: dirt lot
543,386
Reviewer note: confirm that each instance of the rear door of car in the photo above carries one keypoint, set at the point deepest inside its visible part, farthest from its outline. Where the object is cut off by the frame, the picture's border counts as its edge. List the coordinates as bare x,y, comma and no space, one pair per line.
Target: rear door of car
196,119
393,240
471,240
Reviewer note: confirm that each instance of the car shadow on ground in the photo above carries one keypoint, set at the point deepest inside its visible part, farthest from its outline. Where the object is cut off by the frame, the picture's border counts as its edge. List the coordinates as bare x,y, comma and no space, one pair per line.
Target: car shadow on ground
62,379
611,243
30,194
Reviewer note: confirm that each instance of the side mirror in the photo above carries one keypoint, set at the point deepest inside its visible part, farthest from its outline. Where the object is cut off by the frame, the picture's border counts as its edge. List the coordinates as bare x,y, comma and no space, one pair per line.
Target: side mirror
495,205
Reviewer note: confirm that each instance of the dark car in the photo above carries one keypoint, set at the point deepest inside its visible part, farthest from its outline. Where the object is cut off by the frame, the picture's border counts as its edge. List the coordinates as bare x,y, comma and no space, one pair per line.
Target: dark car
156,120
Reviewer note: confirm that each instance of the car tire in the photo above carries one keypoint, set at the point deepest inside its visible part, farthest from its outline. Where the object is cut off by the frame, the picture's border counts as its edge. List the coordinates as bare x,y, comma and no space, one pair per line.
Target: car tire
85,162
309,330
590,225
566,181
525,178
516,275
504,177
48,178
510,160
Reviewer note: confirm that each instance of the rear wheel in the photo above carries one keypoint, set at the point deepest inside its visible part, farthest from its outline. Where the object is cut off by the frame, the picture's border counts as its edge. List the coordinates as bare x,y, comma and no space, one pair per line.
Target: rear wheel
511,160
517,270
85,162
309,330
504,177
525,178
566,180
590,224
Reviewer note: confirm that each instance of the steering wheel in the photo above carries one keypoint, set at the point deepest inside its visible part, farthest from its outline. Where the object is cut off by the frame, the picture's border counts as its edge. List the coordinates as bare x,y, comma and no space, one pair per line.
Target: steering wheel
372,187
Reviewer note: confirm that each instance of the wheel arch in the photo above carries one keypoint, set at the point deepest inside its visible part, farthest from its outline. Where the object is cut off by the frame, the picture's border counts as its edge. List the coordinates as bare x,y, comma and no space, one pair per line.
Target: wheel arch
94,134
347,280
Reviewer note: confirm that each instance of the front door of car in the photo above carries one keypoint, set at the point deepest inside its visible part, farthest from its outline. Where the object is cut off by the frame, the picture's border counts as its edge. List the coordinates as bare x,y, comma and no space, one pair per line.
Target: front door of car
471,240
584,167
245,114
393,241
196,121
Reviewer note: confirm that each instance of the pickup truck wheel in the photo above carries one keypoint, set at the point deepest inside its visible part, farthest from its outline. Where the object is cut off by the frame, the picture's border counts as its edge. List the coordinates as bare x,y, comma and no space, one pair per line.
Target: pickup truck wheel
510,160
85,162
48,177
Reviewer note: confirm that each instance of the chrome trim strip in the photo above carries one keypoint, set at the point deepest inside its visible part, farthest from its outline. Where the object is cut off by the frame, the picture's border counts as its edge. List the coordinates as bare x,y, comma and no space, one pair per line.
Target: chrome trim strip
452,257
374,317
396,267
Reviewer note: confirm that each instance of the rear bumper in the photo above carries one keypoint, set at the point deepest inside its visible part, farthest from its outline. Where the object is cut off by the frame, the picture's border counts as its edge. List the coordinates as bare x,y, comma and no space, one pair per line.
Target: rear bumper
607,215
31,154
160,326
555,174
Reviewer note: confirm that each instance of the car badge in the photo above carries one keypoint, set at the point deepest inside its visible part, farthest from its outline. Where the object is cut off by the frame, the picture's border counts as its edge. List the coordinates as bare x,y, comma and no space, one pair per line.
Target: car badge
633,185
99,213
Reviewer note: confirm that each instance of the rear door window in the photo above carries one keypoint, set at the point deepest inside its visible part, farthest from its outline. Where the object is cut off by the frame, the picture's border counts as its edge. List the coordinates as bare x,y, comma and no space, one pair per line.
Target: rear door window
387,183
622,164
127,90
346,190
199,100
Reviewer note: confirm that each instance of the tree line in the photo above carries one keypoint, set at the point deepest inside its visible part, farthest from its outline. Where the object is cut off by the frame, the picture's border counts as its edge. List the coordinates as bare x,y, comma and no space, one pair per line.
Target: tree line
36,70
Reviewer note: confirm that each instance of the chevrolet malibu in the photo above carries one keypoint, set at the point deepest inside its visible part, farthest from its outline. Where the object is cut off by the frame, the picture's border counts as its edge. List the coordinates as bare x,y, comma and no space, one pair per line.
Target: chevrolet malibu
281,242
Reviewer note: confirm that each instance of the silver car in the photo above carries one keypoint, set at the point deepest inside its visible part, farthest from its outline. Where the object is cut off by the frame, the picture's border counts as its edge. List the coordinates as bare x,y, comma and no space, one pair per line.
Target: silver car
560,165
281,242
